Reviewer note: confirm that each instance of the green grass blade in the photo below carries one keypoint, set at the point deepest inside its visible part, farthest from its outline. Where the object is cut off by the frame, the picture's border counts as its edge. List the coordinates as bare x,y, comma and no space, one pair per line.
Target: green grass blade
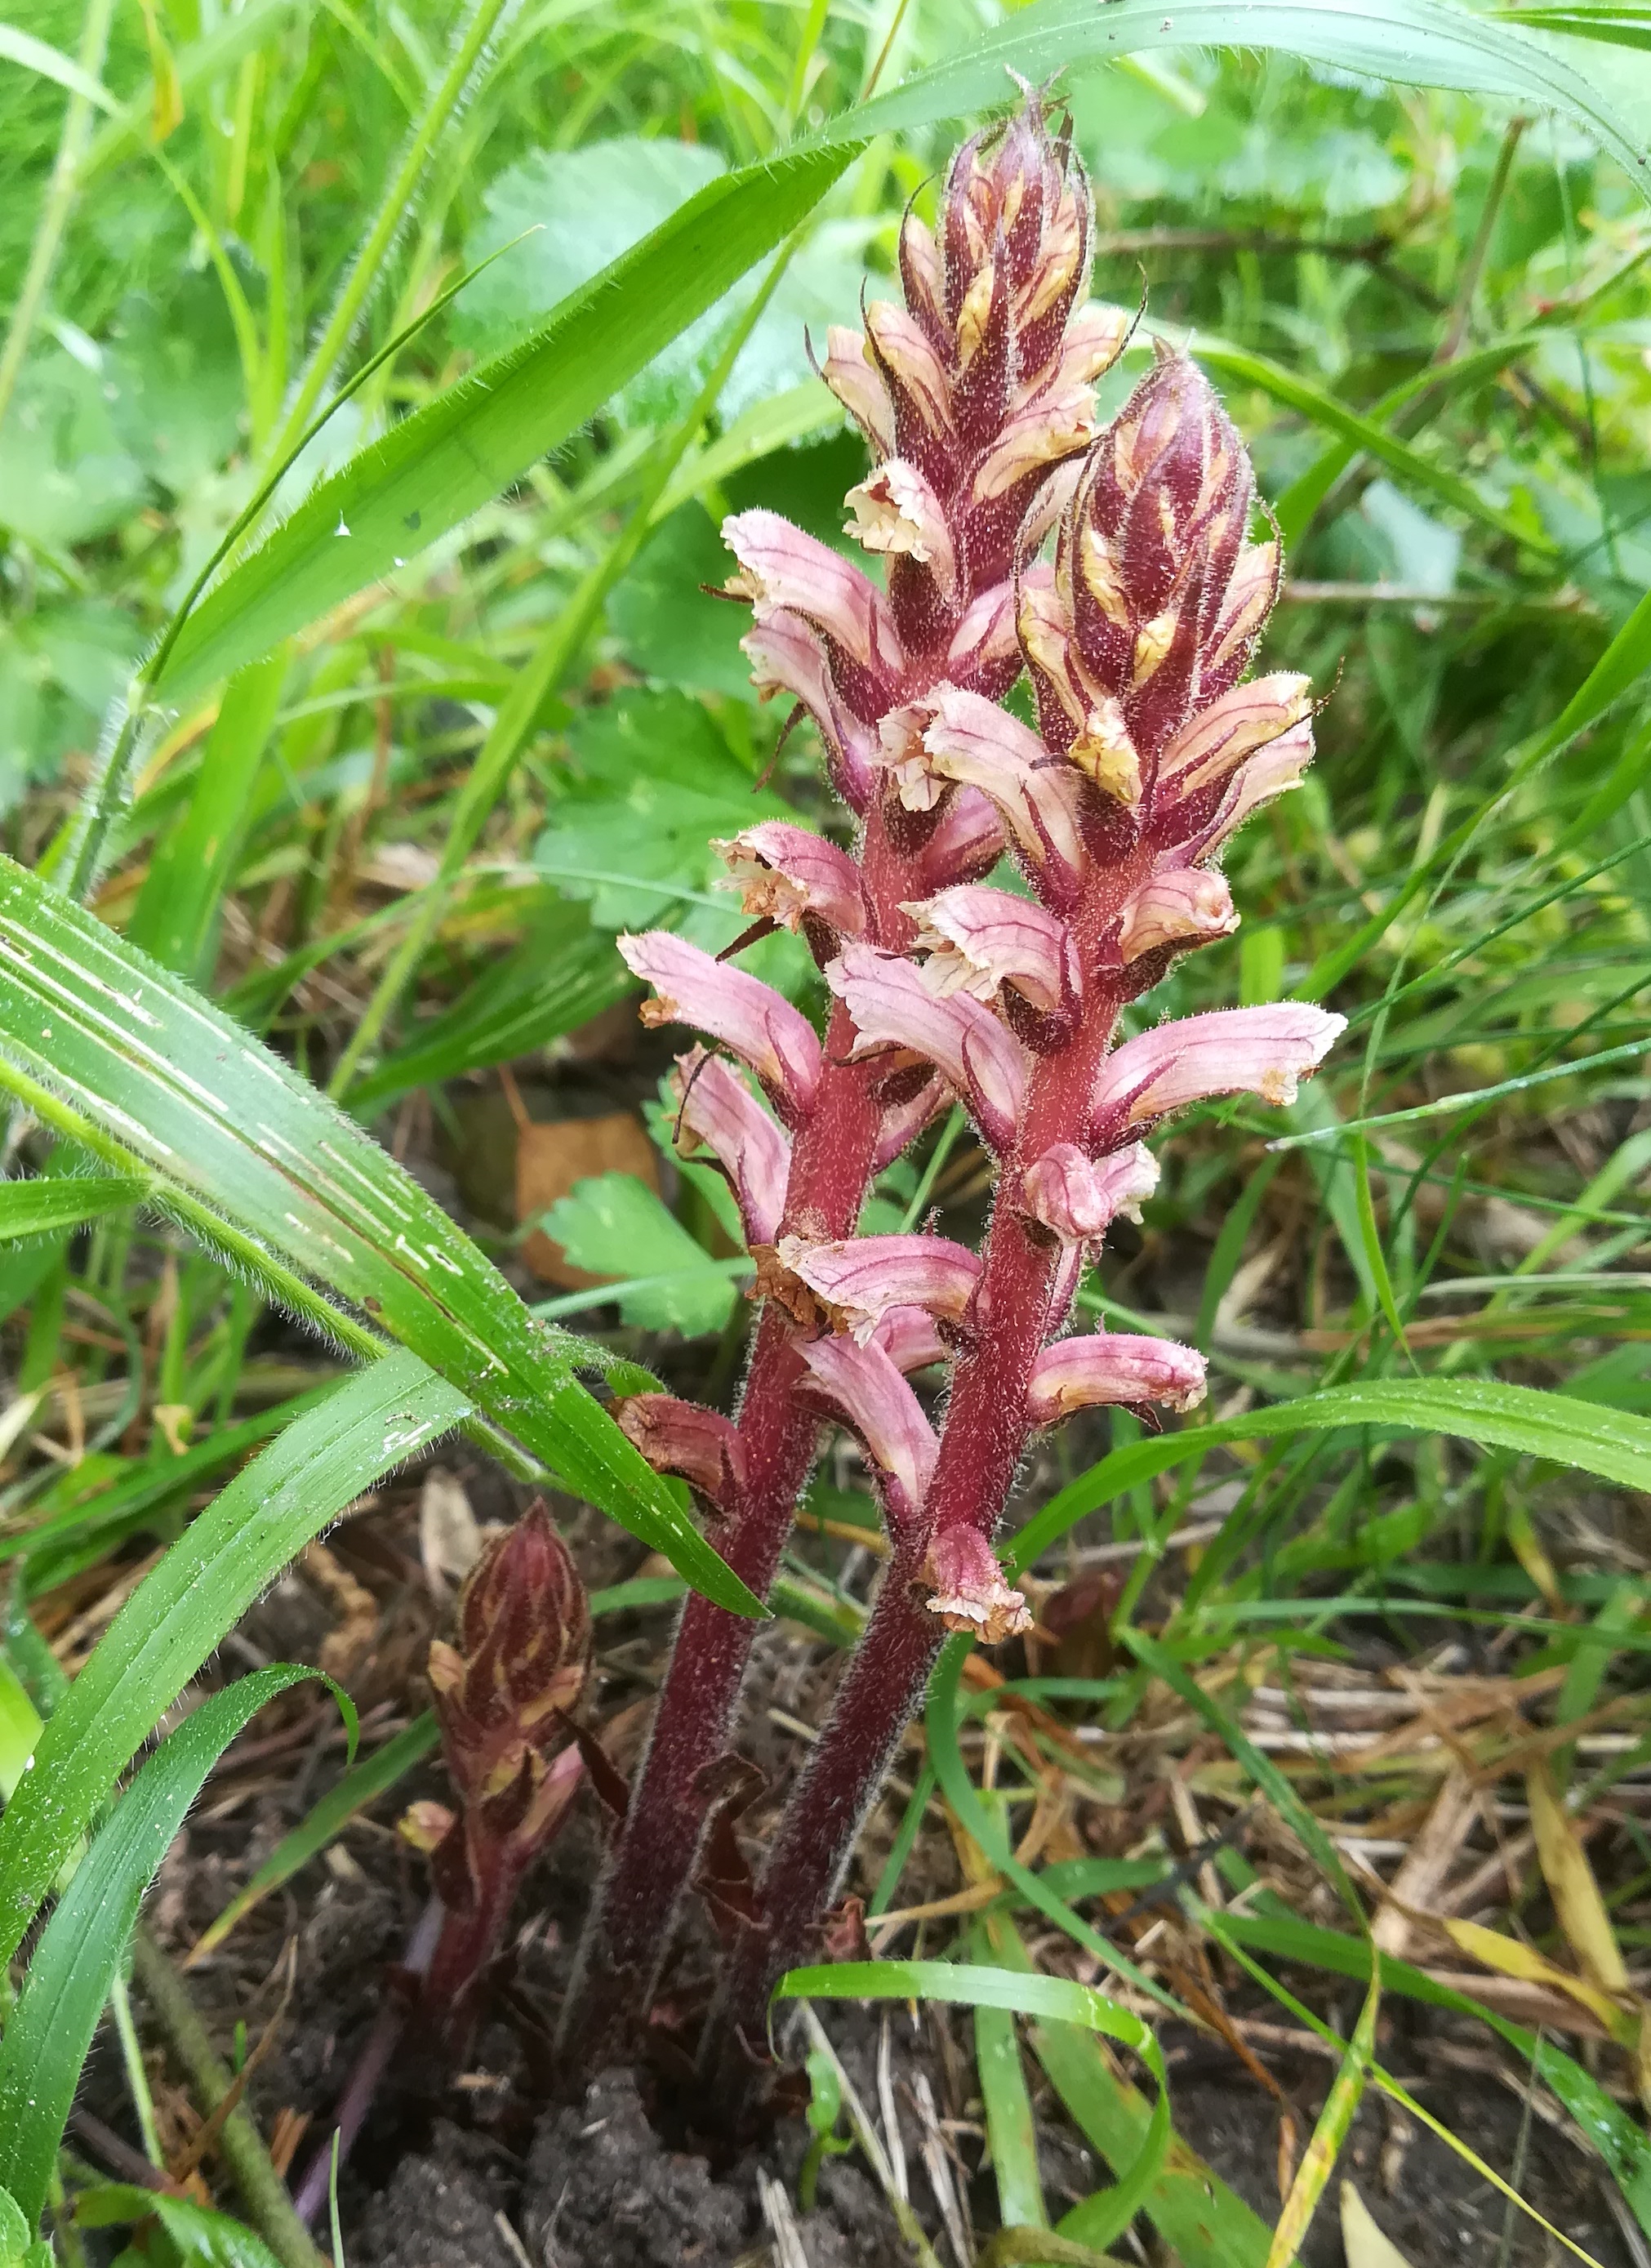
1613,1444
1419,42
185,1607
118,1053
1329,2131
438,465
32,55
1010,2126
176,915
35,1208
49,2031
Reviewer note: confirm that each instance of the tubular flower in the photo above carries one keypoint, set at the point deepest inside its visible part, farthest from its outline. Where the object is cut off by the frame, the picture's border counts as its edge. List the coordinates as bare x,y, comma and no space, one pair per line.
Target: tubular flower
966,1589
865,1385
1181,906
891,1006
1261,1051
978,940
715,1107
1108,1367
706,1449
861,1279
1078,1198
790,875
760,1026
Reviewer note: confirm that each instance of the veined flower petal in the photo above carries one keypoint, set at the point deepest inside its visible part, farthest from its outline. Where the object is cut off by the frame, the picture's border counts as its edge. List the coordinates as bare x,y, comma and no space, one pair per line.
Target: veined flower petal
979,939
857,382
904,1122
754,1150
1219,737
873,1396
1053,425
1272,770
1185,905
1259,1051
781,566
911,1339
968,841
984,644
916,376
786,873
967,1587
892,1007
1111,1367
786,656
973,742
1078,1198
862,1277
748,1015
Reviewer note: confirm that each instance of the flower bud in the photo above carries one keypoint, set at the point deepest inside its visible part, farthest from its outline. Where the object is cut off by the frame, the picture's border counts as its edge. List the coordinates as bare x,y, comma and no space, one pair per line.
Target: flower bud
521,1655
1077,1199
892,1007
865,1388
854,378
715,1107
700,1445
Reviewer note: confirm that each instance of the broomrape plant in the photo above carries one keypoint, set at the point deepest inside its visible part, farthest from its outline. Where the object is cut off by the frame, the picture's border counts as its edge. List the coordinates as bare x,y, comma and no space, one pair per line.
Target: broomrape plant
1150,749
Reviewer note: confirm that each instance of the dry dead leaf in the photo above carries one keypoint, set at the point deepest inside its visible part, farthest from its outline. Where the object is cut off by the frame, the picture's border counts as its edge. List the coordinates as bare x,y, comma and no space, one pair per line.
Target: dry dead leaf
1510,1958
1576,1899
450,1537
551,1158
1363,2243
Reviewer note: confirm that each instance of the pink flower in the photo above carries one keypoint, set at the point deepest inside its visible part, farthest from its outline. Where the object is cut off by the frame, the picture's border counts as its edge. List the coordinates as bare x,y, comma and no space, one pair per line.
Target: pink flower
1078,1198
1272,770
1251,593
719,1109
854,378
895,510
1259,1051
1182,906
968,840
911,367
911,1339
979,939
1053,425
966,1588
790,875
748,1015
787,657
781,566
705,1449
891,1006
1213,743
862,1277
864,1385
973,741
1110,1367
904,1122
984,649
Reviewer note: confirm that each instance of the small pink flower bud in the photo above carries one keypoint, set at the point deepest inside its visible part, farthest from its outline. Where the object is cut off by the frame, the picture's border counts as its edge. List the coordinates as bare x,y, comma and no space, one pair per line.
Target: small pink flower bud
1250,596
703,1447
896,512
790,875
1110,1367
760,1026
892,1007
719,1109
920,276
862,1277
781,566
979,744
979,939
1078,1198
1182,906
967,1590
854,378
1216,742
872,1394
1259,1051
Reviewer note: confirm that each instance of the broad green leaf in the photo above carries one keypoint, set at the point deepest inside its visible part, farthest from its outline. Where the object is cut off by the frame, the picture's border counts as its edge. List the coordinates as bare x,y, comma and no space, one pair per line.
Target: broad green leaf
1613,1444
438,465
35,1208
49,2030
122,1058
614,1223
186,1606
1419,43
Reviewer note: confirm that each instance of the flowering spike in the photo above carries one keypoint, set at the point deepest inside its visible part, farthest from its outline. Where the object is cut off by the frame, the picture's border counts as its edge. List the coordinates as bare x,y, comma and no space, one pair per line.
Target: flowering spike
1078,1200
1111,1367
704,1449
1259,1051
861,1279
966,1589
891,1006
863,1383
1182,906
790,875
979,939
762,1027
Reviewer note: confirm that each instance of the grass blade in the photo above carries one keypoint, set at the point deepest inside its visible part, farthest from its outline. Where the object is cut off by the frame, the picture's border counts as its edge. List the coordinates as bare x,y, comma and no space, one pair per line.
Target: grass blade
35,1208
